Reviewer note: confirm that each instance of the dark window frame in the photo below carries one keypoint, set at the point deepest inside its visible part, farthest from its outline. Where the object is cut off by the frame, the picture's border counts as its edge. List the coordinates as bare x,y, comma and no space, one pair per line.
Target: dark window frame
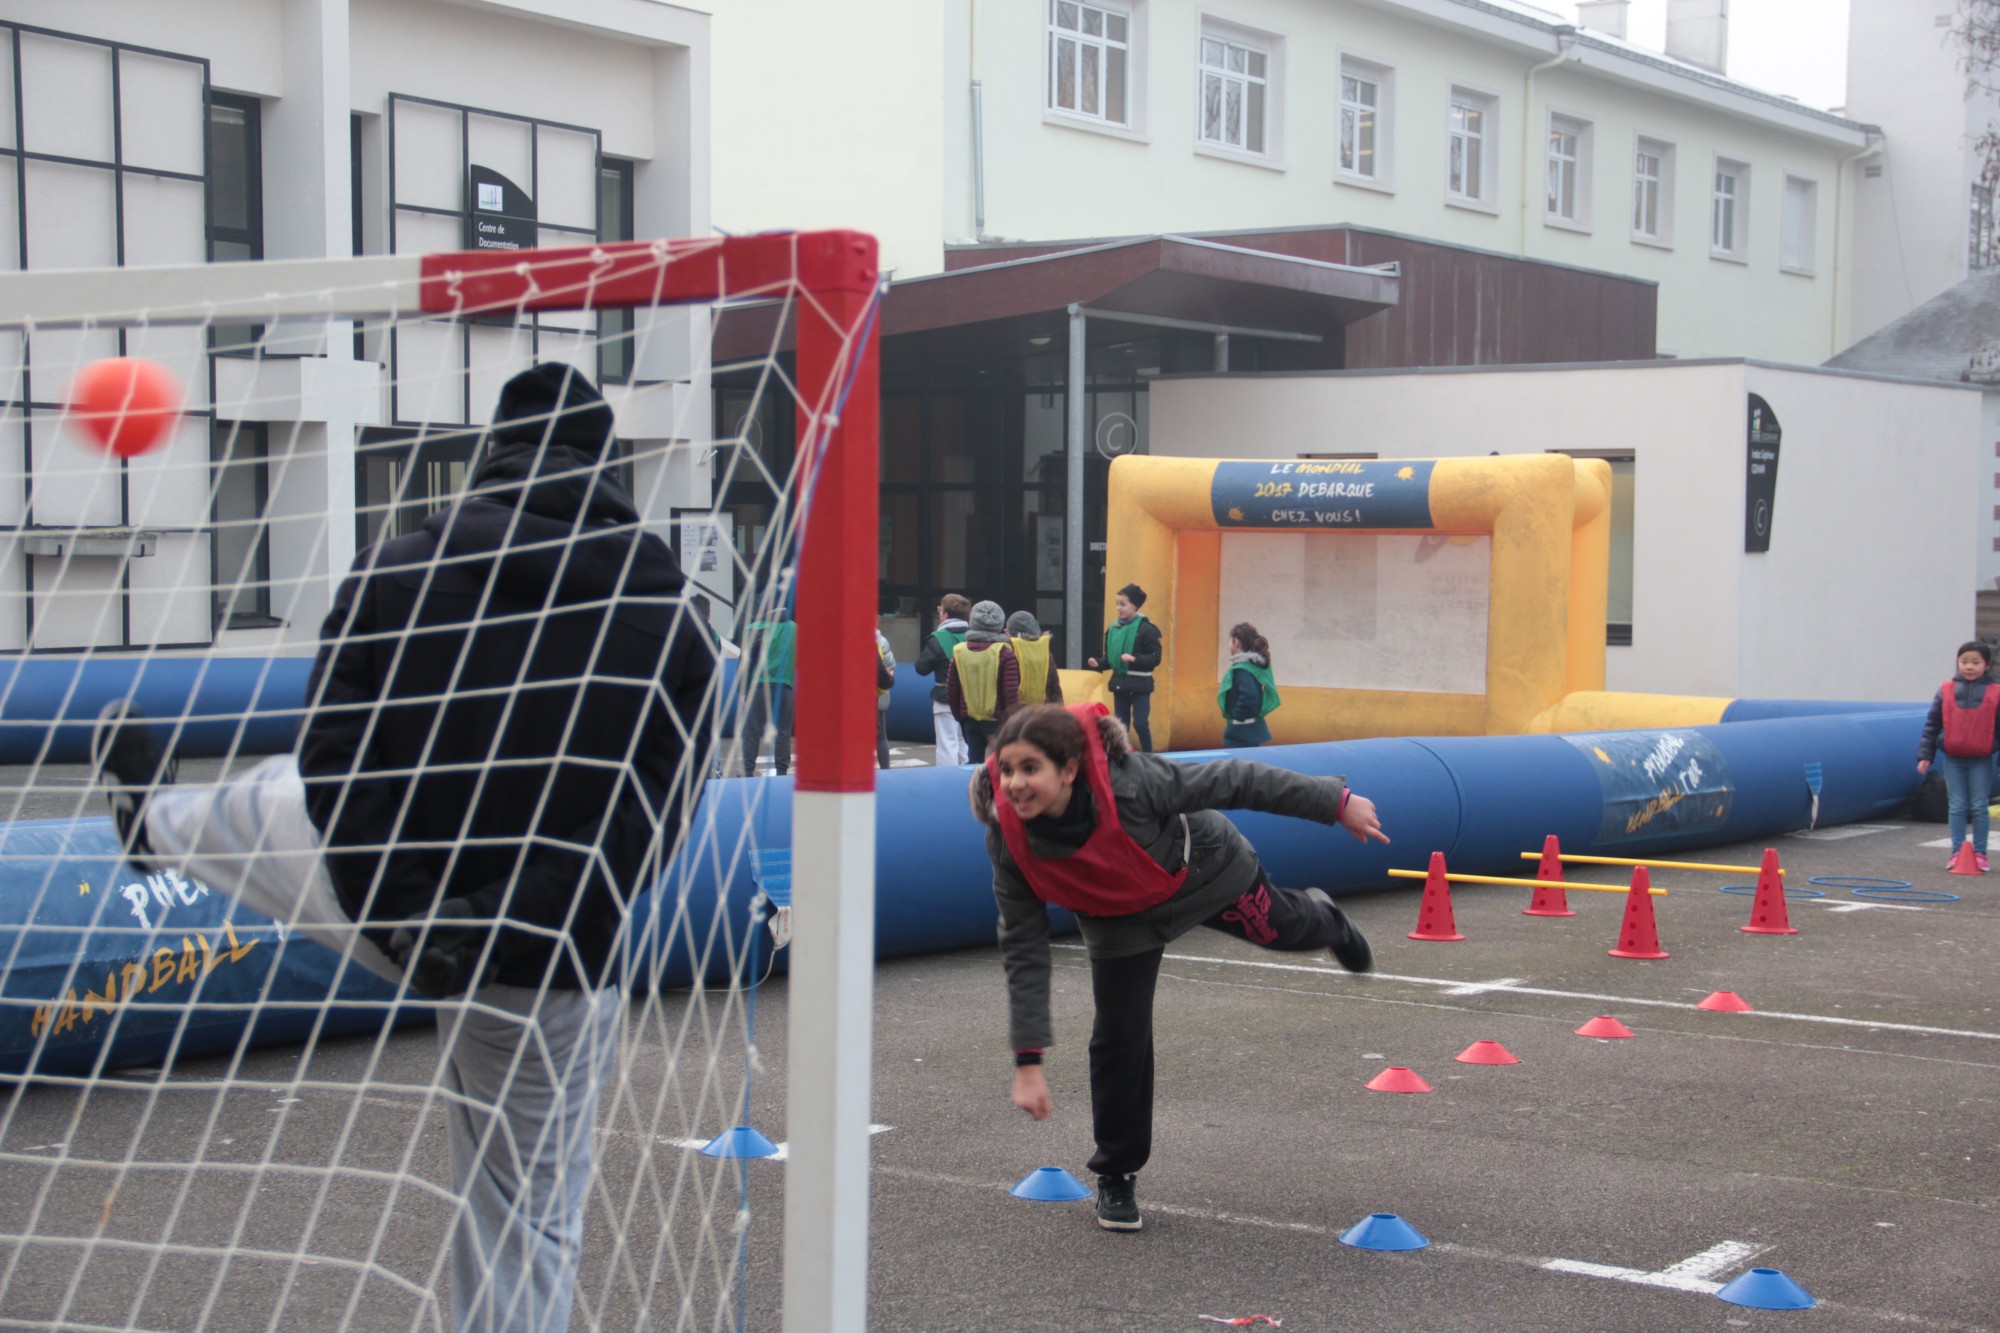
616,348
40,396
226,438
397,208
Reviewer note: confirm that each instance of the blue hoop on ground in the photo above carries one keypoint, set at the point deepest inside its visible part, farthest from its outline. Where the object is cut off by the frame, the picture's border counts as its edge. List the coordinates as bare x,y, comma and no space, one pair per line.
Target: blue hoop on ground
1884,890
1790,892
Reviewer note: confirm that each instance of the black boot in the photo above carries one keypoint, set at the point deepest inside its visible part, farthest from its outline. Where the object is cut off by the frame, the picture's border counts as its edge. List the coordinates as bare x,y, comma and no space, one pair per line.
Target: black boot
1118,1203
130,766
1350,947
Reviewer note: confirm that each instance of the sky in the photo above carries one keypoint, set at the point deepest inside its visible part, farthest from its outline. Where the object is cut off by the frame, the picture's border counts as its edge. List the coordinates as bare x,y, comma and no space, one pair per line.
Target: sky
1782,46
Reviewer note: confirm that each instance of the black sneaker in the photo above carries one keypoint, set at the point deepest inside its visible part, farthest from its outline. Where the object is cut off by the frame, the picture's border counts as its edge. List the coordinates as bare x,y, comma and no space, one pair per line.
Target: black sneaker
1118,1203
1350,949
130,766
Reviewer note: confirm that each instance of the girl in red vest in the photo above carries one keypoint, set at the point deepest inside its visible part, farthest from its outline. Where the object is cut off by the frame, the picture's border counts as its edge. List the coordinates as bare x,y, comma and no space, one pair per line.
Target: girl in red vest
1965,723
1133,844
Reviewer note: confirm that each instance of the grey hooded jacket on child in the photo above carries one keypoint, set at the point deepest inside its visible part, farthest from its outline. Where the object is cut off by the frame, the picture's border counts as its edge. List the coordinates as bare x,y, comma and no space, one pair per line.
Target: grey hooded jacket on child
1153,794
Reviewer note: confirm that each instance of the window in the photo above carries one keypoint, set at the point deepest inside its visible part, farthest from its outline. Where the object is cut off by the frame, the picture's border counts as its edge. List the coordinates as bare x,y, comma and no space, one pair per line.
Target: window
1729,210
1471,164
1090,50
1236,73
1618,605
1366,91
1982,234
1568,201
460,177
1799,225
1653,192
235,177
240,532
614,223
235,198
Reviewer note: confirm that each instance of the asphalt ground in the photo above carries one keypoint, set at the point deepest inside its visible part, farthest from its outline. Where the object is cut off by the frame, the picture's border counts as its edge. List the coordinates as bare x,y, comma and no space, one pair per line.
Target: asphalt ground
1846,1132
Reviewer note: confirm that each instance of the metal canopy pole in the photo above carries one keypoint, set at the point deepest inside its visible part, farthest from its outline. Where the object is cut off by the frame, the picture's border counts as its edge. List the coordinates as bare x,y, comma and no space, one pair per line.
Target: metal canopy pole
1077,386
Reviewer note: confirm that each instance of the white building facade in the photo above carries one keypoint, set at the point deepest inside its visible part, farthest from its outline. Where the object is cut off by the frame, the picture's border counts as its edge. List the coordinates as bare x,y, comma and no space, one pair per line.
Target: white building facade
134,133
1483,124
1923,216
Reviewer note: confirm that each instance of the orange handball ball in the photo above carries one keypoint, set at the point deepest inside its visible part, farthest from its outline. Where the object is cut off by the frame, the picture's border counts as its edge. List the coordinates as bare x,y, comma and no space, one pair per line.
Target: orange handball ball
125,404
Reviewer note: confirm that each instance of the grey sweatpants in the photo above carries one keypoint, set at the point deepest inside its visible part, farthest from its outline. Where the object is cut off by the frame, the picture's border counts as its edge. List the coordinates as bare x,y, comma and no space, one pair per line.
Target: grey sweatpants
520,1067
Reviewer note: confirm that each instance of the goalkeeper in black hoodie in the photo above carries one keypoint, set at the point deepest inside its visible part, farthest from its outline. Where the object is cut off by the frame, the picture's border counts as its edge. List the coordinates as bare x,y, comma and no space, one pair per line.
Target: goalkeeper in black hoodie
493,765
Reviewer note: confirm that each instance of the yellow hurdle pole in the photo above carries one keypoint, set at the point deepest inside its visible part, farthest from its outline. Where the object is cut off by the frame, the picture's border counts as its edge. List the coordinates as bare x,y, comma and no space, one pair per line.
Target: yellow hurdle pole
1524,883
1654,865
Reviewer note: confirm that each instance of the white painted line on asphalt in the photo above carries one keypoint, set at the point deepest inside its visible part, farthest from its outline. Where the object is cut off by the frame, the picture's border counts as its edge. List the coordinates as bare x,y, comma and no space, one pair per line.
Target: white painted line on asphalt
1843,831
1637,1276
1671,1278
1716,1259
783,1153
1842,905
1450,983
1481,987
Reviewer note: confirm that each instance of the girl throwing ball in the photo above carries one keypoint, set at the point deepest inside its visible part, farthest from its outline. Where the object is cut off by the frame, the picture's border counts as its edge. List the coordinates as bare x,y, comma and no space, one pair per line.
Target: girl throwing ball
1133,845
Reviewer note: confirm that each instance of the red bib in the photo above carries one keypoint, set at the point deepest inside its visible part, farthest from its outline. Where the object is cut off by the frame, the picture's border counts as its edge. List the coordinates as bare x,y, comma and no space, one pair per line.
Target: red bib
1968,732
1110,875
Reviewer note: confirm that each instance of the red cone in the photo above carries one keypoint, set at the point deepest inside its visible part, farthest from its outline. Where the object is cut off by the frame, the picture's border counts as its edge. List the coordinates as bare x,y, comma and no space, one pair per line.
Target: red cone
1638,935
1397,1079
1961,860
1726,1002
1487,1053
1604,1026
1434,919
1549,900
1767,910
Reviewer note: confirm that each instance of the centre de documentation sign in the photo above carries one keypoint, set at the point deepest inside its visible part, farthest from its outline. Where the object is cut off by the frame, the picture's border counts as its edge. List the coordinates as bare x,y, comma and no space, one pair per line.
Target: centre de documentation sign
1760,476
502,216
1323,493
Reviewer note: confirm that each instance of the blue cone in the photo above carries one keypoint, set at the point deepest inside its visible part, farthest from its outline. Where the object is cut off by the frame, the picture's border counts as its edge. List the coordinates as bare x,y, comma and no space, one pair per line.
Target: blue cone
1767,1289
741,1141
1383,1231
1049,1184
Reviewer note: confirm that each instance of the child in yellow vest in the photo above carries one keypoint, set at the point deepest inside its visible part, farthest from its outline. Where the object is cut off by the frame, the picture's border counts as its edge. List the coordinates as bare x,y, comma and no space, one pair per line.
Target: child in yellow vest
1040,684
983,681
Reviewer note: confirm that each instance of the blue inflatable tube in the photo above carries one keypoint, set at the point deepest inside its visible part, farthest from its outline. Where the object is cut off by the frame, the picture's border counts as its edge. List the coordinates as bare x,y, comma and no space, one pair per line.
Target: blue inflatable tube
227,705
253,705
73,922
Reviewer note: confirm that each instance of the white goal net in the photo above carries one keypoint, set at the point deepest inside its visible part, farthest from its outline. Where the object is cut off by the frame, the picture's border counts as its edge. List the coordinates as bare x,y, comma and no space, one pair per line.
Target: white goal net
420,989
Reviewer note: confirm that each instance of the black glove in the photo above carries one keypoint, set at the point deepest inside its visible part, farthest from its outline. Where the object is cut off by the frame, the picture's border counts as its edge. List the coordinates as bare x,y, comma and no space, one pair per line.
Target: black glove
448,962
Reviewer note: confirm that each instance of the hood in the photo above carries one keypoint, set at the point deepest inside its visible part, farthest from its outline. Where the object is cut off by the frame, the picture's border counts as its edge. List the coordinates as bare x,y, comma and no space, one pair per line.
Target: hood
1117,745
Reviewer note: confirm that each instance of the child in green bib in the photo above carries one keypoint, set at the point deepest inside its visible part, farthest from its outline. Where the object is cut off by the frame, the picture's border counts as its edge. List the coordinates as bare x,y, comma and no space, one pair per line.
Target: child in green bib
1248,694
1131,654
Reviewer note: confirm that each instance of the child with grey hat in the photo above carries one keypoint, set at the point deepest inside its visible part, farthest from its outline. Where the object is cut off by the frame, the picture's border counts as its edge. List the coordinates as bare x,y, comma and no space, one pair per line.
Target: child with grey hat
983,681
1039,682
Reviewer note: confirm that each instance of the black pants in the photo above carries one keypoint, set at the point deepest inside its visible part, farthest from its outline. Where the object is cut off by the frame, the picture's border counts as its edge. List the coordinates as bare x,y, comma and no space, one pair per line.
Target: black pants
881,738
772,703
1136,712
1121,1039
978,735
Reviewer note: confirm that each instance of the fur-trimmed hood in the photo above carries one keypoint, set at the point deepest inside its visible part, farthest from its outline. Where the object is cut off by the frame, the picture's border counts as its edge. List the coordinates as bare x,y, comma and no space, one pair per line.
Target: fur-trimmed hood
1117,745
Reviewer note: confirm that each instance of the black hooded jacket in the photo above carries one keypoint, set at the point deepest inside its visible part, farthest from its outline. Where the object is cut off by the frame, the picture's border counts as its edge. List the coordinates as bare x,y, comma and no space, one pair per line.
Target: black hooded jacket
502,710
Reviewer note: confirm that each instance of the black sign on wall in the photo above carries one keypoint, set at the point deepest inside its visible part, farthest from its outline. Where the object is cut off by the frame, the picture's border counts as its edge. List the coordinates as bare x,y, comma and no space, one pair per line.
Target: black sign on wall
502,214
1760,478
